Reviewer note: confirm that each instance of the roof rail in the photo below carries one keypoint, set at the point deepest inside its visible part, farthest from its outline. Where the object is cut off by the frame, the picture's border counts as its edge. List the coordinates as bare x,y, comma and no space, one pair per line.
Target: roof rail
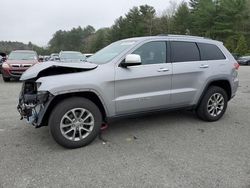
189,36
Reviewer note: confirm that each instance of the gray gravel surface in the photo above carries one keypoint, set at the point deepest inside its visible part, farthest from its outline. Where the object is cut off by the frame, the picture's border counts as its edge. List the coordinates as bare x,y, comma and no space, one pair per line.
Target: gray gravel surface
166,150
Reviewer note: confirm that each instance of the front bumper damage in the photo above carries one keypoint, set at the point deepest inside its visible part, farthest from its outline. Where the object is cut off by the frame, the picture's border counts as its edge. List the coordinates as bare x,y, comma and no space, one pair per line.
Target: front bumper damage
33,103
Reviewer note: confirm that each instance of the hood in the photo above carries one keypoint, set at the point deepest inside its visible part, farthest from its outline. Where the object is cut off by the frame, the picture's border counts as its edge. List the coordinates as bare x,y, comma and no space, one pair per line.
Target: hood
55,68
33,61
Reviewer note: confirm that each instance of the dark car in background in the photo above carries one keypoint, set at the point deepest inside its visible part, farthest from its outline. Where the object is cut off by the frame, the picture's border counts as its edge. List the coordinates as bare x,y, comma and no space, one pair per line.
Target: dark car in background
46,58
2,59
244,60
1,62
18,62
71,56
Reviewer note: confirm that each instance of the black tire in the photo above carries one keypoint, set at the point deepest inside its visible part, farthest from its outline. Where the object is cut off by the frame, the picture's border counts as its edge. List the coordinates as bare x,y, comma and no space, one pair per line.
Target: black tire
61,109
5,79
202,110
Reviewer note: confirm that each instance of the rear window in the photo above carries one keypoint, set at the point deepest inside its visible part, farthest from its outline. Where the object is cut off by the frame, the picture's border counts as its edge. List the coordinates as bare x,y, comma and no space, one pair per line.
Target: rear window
184,51
210,52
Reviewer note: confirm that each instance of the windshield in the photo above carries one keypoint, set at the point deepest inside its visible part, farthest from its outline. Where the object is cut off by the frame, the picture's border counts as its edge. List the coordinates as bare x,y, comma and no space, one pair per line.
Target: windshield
22,56
72,56
110,52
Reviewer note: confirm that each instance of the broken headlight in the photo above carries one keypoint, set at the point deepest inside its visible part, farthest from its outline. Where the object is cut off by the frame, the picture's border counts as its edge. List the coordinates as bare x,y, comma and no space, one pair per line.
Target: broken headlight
31,101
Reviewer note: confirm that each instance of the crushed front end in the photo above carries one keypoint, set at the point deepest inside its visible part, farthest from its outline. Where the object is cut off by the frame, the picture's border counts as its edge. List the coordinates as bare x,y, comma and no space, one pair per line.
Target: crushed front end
33,103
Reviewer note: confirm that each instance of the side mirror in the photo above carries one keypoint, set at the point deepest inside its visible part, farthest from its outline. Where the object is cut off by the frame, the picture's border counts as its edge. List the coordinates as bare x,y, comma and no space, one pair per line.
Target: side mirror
131,60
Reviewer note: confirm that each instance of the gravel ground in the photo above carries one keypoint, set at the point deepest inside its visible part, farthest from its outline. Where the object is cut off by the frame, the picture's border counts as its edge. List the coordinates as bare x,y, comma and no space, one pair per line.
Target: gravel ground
167,150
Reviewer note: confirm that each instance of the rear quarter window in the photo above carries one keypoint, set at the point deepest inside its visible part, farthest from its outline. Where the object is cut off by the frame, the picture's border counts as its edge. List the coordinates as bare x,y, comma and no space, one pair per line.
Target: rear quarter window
210,52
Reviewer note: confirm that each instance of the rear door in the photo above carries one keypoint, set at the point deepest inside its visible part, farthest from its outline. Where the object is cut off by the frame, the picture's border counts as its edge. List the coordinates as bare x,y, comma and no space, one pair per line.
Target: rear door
189,72
146,86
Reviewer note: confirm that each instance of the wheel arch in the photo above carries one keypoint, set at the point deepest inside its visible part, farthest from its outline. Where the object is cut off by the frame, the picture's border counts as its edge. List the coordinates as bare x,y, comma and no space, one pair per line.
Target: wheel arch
223,83
92,96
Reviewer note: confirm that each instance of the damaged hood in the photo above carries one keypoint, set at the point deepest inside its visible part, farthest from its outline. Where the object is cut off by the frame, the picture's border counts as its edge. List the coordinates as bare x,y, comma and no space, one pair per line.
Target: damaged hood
55,68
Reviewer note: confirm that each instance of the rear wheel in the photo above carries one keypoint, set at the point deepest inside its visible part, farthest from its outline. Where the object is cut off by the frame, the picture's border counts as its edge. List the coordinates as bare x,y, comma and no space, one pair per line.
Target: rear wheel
213,104
75,122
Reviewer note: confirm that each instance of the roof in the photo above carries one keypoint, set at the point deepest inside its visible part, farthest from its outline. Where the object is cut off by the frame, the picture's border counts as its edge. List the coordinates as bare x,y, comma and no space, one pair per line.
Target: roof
175,37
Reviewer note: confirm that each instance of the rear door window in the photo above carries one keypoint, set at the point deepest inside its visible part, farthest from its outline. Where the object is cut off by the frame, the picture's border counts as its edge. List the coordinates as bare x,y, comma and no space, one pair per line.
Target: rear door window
184,51
210,52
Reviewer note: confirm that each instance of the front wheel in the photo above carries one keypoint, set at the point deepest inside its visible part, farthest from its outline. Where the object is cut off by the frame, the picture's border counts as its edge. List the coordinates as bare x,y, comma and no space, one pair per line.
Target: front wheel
75,122
213,104
5,79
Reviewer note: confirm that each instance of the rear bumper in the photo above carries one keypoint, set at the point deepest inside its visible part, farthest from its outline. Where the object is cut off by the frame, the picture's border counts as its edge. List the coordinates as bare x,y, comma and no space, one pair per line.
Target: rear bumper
235,87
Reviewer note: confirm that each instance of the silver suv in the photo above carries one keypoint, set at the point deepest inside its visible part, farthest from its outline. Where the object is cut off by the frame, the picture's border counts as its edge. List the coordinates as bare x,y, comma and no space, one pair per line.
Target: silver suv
129,77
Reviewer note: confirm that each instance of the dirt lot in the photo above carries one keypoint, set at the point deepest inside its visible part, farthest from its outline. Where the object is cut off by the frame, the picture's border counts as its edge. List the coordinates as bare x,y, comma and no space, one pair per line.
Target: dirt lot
167,150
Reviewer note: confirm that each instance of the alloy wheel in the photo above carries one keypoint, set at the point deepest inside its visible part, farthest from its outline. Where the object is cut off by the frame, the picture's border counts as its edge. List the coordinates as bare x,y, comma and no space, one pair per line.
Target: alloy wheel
77,124
215,104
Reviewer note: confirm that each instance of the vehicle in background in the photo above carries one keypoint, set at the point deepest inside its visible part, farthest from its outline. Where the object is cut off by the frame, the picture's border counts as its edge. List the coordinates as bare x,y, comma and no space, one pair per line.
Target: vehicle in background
2,59
1,62
244,60
235,55
41,58
54,57
46,58
88,55
71,56
18,62
129,77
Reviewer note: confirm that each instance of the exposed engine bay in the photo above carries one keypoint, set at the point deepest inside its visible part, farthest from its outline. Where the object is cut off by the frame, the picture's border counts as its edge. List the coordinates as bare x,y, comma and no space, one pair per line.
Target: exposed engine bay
32,103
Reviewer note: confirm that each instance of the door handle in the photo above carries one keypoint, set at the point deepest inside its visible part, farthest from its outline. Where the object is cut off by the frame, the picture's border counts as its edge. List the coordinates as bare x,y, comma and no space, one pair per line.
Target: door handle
163,70
204,66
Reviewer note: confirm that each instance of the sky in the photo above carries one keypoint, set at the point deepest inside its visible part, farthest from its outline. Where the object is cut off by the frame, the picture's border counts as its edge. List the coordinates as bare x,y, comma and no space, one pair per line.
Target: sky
38,20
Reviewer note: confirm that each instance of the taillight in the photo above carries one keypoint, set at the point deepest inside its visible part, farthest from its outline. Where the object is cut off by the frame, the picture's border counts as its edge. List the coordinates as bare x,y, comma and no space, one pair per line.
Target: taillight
237,66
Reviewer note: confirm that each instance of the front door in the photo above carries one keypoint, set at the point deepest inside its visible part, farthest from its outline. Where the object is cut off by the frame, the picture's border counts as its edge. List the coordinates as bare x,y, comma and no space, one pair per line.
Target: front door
146,86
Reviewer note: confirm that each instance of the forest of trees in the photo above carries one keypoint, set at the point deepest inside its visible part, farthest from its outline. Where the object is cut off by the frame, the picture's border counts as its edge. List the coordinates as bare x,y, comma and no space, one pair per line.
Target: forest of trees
224,20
